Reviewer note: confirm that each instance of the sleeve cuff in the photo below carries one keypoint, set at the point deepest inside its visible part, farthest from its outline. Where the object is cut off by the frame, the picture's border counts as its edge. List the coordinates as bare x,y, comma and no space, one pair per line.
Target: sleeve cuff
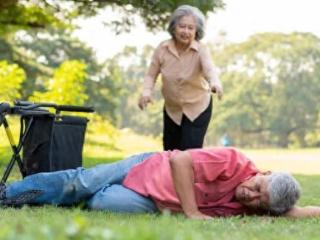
216,84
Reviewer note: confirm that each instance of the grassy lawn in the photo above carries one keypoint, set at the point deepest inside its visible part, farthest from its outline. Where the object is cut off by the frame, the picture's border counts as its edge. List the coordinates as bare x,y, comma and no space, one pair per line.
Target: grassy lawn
73,223
51,222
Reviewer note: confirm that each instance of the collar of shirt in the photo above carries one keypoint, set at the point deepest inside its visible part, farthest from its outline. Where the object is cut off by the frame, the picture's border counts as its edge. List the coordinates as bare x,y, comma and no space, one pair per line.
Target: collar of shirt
172,48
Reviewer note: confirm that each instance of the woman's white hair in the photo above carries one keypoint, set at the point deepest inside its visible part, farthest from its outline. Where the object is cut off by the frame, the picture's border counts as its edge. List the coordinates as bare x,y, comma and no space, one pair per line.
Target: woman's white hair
284,191
187,10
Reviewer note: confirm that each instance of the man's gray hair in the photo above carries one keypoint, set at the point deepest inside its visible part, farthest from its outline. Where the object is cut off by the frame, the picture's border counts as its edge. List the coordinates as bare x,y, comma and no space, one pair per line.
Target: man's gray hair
187,10
284,191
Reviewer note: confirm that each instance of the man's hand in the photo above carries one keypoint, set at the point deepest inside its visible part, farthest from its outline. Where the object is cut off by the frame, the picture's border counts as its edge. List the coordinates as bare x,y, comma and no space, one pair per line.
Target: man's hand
144,101
218,90
303,212
197,216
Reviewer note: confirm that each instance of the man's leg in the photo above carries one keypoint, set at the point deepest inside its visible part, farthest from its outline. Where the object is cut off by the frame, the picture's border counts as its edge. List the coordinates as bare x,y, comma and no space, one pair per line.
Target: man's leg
71,186
193,133
171,133
117,198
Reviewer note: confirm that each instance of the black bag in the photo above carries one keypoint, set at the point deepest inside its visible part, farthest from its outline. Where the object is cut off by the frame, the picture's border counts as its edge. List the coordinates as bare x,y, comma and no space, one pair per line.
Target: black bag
53,143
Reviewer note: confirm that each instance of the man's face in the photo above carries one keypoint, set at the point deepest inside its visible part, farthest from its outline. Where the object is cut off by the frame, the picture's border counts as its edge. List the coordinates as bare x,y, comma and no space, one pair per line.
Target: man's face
253,193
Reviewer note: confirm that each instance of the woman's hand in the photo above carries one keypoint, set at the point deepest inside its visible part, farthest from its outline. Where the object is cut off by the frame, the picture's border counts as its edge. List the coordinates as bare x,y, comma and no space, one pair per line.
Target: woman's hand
144,101
218,90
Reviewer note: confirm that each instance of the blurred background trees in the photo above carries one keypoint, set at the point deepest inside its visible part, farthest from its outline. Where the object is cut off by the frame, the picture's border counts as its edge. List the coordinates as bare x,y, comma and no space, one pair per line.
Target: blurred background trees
272,88
271,81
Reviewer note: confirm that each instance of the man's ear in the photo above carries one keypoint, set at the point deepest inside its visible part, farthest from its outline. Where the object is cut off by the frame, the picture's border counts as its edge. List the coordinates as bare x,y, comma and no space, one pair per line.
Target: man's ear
266,173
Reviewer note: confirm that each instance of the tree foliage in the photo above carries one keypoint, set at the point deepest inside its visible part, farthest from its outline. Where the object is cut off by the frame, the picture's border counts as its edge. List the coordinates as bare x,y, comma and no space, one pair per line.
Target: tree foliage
45,13
17,15
39,54
11,78
67,85
272,88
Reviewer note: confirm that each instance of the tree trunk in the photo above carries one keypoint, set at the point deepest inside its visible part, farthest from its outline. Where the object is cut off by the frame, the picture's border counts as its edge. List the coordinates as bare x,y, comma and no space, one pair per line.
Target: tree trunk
7,3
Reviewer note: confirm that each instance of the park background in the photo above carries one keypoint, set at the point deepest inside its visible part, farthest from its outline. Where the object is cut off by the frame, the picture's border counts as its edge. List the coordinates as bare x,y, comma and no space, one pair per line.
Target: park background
95,53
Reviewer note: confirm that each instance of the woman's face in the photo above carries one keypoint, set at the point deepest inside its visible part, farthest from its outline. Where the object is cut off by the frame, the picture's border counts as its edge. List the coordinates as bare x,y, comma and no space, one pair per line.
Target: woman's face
185,30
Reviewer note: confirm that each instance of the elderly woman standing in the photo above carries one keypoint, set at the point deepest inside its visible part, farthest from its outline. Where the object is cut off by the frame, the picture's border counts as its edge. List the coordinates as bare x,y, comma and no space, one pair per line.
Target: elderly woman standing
188,78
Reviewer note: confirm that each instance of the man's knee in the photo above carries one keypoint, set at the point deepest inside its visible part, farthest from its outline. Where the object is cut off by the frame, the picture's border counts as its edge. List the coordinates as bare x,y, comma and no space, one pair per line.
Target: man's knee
117,198
101,199
95,203
110,198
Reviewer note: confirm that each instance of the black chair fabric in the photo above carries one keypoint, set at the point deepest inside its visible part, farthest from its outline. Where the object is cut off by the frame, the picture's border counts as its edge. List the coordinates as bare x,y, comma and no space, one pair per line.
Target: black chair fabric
53,143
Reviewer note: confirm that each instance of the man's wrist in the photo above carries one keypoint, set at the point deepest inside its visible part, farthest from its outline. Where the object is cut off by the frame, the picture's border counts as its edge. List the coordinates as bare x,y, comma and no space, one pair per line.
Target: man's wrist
192,212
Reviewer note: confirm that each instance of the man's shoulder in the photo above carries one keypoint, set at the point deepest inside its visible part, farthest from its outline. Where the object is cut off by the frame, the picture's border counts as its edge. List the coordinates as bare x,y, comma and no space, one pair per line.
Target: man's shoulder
221,155
217,149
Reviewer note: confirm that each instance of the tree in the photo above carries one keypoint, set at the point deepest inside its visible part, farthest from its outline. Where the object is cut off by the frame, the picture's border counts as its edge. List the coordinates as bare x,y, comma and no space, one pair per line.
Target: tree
39,54
16,15
44,13
11,78
66,87
272,90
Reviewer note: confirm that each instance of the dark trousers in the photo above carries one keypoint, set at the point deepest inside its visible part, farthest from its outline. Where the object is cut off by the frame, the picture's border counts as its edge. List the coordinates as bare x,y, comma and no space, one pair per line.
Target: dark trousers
188,134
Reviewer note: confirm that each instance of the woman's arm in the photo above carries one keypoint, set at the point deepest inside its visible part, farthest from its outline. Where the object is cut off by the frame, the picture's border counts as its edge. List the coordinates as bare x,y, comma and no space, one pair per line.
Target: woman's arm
210,72
150,80
183,180
303,212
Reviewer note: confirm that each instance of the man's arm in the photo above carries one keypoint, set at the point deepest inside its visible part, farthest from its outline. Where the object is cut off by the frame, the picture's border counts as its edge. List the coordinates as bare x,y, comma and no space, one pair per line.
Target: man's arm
183,180
303,212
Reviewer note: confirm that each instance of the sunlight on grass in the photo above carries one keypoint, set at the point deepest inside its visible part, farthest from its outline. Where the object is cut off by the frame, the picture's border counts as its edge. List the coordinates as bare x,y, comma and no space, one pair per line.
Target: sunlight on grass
130,143
99,149
104,143
299,161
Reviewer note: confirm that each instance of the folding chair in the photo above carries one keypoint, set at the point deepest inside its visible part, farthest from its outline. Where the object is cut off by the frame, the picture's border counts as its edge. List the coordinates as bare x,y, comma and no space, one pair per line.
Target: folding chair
49,141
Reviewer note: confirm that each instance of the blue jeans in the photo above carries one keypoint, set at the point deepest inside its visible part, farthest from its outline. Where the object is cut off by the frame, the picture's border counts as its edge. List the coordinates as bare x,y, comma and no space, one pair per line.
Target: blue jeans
100,187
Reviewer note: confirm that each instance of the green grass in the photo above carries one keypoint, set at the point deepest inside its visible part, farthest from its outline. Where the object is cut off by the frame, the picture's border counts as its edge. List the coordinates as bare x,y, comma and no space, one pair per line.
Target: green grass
50,222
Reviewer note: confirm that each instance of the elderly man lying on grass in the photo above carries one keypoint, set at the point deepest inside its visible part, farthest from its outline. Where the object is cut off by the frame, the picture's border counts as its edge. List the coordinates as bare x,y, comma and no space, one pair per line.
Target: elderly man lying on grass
201,183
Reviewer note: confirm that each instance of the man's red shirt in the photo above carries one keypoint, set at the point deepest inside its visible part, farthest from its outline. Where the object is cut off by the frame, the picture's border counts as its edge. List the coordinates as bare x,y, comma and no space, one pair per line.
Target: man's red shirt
217,173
